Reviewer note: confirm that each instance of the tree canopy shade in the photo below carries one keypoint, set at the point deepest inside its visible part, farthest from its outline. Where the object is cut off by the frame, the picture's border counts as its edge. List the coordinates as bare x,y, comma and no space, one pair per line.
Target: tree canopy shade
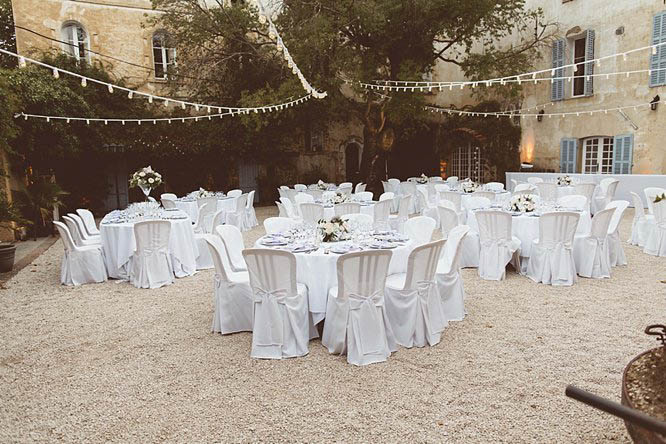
337,40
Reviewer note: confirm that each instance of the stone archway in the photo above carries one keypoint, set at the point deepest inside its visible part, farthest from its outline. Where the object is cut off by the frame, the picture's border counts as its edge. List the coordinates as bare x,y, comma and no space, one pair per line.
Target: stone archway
353,152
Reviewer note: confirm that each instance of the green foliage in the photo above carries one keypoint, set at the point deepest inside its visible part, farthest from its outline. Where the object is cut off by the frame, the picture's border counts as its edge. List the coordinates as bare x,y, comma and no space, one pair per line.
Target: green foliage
38,201
659,198
7,34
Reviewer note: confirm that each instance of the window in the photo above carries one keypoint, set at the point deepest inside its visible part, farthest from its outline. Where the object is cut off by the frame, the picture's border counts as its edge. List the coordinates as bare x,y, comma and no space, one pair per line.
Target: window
568,155
598,155
164,54
557,86
314,138
579,71
76,40
467,162
658,60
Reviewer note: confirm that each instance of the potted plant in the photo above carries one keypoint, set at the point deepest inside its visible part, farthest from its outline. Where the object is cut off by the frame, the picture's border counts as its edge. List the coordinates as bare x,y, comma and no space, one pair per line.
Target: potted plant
39,201
10,218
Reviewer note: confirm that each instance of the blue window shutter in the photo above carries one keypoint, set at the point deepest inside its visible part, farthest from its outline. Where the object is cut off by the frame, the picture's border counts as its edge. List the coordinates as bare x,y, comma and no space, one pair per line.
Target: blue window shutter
568,155
589,65
623,147
658,60
557,86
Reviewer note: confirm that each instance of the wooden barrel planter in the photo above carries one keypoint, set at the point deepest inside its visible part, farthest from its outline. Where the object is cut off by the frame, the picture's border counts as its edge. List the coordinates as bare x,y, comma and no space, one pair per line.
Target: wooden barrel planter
644,389
7,253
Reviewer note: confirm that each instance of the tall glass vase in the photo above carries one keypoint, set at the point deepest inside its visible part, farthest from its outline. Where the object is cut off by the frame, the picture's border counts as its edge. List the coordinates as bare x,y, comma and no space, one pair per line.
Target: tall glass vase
146,190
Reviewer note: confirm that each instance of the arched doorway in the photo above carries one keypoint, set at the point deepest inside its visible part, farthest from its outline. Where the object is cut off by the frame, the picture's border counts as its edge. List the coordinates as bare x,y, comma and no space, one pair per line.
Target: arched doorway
352,160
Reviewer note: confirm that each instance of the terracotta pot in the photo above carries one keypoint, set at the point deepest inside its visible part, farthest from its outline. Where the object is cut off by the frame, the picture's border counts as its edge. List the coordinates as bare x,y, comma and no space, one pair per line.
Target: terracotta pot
7,253
638,434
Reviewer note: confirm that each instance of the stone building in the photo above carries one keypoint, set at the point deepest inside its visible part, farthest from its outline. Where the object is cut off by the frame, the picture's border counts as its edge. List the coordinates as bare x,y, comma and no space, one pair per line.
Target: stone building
616,142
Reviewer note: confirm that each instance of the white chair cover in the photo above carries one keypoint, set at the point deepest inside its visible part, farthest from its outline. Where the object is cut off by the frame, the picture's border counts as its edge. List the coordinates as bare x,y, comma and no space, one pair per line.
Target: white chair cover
452,180
449,281
547,191
551,259
448,218
316,194
573,202
282,211
475,203
420,229
485,194
397,222
358,218
168,196
365,196
300,187
356,320
534,180
387,196
88,221
409,189
75,232
234,193
218,219
347,208
382,211
453,197
440,187
233,245
289,207
274,225
650,194
80,265
495,186
641,224
312,213
237,217
168,203
207,210
360,188
395,188
591,251
250,215
199,225
606,193
233,296
281,318
150,265
615,251
302,198
83,232
587,190
498,246
655,243
524,188
345,185
413,303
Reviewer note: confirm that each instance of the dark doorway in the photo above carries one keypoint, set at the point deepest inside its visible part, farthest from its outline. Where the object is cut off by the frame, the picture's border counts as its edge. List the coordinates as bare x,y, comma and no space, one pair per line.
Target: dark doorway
352,162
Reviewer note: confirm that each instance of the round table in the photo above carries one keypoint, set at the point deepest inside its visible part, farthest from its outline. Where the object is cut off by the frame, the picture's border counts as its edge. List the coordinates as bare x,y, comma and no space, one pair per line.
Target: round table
119,244
318,271
190,206
366,208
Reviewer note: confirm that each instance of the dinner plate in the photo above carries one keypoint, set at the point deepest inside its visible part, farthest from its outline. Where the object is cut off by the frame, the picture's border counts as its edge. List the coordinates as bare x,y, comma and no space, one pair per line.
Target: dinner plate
273,242
382,246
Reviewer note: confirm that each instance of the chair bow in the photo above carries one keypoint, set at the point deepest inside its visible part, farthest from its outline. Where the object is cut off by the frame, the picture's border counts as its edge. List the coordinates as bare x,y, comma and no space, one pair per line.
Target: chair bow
268,314
560,259
428,300
365,321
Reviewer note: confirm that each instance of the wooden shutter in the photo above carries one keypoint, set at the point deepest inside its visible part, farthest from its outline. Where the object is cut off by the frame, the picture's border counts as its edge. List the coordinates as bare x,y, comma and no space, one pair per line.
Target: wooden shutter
658,60
557,86
568,154
589,64
623,146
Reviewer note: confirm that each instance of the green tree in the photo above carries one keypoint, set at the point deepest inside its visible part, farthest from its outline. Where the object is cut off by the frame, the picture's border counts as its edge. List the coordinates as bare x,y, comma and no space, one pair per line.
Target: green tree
7,34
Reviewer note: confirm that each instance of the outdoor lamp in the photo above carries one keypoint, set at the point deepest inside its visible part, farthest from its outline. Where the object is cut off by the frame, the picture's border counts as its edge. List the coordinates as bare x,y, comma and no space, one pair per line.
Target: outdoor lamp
540,116
654,103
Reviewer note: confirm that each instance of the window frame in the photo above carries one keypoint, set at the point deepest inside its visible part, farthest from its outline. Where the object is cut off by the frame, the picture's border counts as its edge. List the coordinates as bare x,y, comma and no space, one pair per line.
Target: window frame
167,54
580,65
70,30
605,149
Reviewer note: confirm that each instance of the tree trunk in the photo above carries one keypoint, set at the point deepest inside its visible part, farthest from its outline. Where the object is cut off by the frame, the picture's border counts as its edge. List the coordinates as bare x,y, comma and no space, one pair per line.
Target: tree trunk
377,140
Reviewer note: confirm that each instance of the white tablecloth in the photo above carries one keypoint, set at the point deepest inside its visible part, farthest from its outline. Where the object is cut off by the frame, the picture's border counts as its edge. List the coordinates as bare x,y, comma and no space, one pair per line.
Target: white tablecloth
119,244
526,228
329,212
191,207
318,271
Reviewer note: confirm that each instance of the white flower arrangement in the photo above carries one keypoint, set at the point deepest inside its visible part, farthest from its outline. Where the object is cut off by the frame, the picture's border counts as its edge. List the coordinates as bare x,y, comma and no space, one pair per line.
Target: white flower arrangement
146,178
322,185
564,180
333,230
340,197
524,203
469,187
423,179
204,193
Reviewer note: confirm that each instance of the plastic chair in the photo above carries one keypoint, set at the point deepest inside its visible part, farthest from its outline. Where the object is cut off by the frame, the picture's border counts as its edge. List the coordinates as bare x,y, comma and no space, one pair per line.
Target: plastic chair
312,213
151,265
651,194
300,187
420,229
448,278
498,246
495,186
207,210
551,260
317,195
80,264
413,303
76,234
81,226
409,189
274,225
168,203
448,218
615,250
347,208
365,196
640,225
218,219
345,185
388,195
88,221
591,251
250,215
397,222
655,243
547,191
234,193
234,301
360,188
356,320
300,199
358,218
289,207
382,211
237,217
486,194
281,326
199,226
587,190
453,197
233,245
282,212
607,188
476,202
574,202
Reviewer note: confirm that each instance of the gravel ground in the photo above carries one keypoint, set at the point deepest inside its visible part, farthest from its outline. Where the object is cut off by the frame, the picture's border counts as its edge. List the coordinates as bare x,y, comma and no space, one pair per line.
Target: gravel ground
111,362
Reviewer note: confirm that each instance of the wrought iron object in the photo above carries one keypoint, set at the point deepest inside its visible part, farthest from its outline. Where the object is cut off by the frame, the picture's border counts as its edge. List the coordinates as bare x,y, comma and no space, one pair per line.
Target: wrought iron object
658,330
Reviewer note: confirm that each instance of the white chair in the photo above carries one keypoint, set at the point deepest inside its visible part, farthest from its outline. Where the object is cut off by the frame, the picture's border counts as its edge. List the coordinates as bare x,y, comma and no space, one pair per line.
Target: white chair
237,217
495,186
88,221
312,213
281,326
587,190
81,225
360,188
151,199
356,320
347,208
282,211
534,180
388,195
274,225
80,265
551,260
317,195
300,187
250,215
199,226
591,250
413,303
300,199
358,218
345,185
651,194
573,202
514,184
234,301
615,251
218,219
476,203
409,189
289,207
207,209
448,278
605,195
452,180
419,229
448,218
440,187
233,245
395,188
283,187
168,203
170,196
547,191
282,192
524,188
397,222
453,197
436,179
150,265
640,226
655,242
485,194
75,232
234,193
365,196
382,212
498,246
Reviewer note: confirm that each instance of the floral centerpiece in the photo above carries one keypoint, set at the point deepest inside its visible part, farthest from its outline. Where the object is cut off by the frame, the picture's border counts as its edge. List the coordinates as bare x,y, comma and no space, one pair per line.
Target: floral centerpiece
469,186
203,193
564,180
658,198
339,198
146,179
322,185
524,203
333,230
423,179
